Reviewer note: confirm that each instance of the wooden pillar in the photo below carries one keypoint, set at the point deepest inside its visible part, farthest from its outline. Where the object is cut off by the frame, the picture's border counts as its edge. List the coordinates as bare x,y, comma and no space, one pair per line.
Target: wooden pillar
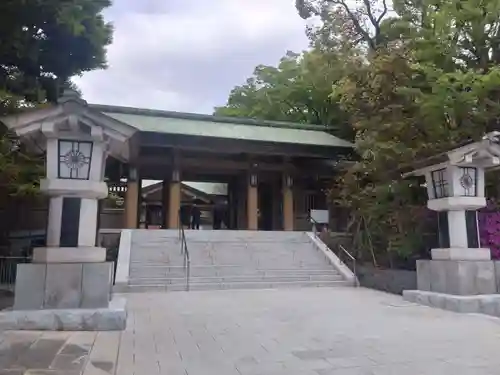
131,204
233,200
165,192
277,206
174,201
252,203
288,212
242,217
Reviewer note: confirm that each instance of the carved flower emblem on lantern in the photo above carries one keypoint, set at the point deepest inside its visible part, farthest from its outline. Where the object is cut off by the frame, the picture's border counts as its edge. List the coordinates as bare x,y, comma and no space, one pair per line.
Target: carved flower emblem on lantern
466,181
75,159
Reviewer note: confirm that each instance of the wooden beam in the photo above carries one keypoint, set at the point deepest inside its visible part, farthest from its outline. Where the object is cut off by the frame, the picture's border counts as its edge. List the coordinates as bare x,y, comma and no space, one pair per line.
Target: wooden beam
213,164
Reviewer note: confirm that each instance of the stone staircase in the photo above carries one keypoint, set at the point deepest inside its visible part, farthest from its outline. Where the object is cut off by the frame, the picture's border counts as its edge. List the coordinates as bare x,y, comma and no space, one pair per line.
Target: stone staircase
227,260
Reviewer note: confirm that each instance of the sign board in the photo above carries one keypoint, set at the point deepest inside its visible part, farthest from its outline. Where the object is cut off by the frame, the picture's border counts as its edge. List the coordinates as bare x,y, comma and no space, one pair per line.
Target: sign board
320,216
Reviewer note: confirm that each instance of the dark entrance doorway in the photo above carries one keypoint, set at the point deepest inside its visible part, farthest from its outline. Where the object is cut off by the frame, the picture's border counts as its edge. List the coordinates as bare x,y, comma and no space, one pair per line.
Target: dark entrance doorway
265,205
232,204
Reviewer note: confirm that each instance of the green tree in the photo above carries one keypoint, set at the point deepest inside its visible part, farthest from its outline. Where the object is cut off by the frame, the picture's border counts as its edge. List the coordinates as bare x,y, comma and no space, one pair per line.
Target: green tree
297,90
404,83
428,90
346,23
44,43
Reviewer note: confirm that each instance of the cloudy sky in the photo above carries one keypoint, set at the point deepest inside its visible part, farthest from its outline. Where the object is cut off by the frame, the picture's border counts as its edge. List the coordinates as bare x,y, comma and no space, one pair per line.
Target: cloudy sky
186,55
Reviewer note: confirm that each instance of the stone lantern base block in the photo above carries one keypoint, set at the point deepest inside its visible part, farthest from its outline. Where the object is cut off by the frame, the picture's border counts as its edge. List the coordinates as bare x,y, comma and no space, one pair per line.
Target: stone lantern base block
80,254
458,277
63,286
488,304
460,253
111,318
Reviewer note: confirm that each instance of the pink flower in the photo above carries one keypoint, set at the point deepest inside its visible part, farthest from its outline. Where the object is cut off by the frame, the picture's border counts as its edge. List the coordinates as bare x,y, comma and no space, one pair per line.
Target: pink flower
489,229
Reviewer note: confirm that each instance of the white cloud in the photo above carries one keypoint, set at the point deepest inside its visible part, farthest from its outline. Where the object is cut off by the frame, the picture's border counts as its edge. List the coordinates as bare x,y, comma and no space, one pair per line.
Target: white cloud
187,55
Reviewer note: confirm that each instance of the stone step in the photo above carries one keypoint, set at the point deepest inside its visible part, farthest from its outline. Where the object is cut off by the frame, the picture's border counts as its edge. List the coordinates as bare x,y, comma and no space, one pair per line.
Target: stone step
237,285
221,270
202,271
306,255
231,279
229,250
247,265
226,237
215,248
227,260
174,242
234,258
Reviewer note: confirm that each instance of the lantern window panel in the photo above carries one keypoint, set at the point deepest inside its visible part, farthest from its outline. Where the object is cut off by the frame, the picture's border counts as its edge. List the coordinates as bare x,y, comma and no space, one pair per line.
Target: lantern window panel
468,181
74,159
440,183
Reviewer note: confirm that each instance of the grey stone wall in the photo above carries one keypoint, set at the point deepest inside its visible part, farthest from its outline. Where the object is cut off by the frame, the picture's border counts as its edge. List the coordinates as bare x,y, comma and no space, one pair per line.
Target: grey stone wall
387,280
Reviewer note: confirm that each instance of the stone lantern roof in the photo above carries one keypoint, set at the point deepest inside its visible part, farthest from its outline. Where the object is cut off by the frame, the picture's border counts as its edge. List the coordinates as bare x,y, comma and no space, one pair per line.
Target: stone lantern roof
484,153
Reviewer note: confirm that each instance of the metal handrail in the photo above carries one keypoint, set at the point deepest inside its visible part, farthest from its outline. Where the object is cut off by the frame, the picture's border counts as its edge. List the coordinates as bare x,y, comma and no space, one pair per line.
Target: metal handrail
341,247
184,250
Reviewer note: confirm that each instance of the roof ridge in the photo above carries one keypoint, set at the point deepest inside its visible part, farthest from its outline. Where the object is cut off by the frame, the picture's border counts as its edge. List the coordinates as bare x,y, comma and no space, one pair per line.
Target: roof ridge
204,117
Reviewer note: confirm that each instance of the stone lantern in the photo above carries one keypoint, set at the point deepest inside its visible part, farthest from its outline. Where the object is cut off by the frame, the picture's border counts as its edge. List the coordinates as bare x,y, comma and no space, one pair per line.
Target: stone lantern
456,190
74,183
69,278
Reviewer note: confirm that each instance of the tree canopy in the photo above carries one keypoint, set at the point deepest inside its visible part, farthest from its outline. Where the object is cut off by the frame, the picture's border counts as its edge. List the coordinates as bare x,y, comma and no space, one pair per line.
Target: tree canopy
43,43
298,90
405,80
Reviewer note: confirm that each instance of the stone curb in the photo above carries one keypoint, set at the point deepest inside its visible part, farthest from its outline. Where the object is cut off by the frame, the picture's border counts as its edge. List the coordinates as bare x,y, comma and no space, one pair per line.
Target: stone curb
113,318
488,304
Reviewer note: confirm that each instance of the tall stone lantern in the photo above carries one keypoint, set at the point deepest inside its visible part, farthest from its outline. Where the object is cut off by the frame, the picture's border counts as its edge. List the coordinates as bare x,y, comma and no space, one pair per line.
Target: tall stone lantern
456,190
71,272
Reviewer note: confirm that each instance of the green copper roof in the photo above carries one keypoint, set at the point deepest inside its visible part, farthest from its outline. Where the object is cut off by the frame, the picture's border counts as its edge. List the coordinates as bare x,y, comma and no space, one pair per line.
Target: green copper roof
210,188
223,127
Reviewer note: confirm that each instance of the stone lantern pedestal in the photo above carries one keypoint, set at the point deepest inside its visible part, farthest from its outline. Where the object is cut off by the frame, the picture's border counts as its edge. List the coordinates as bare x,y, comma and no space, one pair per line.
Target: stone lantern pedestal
461,275
68,284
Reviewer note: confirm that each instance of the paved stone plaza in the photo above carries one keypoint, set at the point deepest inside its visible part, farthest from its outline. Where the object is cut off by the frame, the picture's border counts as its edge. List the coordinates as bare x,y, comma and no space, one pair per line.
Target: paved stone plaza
266,332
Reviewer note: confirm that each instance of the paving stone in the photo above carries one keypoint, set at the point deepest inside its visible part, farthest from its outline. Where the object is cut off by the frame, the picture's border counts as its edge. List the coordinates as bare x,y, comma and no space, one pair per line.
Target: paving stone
68,363
305,331
345,371
104,353
322,331
40,355
51,372
312,354
12,348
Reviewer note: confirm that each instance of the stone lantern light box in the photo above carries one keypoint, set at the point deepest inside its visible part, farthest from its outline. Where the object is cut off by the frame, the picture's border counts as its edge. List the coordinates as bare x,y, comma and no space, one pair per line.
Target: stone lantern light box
74,159
74,182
